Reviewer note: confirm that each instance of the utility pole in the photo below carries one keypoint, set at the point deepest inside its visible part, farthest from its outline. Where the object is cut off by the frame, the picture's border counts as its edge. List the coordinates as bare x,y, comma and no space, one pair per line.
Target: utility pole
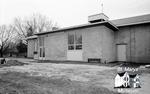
102,7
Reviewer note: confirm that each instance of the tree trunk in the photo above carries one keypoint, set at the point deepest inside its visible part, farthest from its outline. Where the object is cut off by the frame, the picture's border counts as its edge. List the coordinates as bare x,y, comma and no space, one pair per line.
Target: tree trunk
1,54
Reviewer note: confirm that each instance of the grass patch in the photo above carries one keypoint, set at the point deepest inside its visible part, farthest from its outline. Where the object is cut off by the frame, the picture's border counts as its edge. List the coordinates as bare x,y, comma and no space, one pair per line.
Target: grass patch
12,63
23,83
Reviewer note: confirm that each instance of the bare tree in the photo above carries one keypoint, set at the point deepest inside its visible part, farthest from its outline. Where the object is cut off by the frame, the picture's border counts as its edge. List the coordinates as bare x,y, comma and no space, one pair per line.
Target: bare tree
35,23
6,36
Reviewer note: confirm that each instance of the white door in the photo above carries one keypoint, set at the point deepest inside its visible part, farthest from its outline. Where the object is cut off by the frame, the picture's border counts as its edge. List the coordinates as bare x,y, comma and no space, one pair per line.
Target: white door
121,52
75,55
74,51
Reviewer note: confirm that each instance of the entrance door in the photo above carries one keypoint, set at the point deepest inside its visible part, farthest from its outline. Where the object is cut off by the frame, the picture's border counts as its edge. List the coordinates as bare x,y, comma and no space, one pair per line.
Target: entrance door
121,52
74,46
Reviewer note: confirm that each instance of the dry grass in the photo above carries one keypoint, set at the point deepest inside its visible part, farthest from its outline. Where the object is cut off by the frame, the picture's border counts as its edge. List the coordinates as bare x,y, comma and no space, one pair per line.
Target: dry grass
12,63
22,83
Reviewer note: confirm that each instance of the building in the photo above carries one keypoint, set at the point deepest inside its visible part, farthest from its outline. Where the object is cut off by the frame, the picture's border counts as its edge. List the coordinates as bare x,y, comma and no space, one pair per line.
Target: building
126,80
135,81
119,80
100,39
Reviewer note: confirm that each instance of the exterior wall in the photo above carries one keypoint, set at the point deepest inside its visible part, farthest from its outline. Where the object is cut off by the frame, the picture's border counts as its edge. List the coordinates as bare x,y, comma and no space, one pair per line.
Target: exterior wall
137,39
97,42
31,46
100,42
56,46
108,45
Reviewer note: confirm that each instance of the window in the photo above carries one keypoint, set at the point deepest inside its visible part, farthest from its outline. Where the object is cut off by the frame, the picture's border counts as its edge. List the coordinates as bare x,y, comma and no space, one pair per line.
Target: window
70,38
126,78
41,45
74,41
78,40
70,41
41,41
40,52
35,45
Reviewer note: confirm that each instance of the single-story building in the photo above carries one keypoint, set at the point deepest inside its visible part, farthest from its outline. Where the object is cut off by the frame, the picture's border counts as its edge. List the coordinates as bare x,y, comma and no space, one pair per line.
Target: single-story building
101,39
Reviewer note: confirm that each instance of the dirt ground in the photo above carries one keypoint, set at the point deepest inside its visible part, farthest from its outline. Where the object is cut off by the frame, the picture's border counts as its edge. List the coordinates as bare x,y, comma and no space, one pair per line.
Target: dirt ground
52,78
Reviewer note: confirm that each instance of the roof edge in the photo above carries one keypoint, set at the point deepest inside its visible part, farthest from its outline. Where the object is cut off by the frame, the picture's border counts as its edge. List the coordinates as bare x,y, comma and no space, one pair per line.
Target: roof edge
107,23
32,37
137,23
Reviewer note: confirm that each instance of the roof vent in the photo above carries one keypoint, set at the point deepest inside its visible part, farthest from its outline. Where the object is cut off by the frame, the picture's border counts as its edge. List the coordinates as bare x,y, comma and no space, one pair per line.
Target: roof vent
97,18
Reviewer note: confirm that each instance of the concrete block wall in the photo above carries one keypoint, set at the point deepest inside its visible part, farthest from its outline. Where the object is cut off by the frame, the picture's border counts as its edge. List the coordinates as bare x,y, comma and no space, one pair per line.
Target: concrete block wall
108,45
97,42
30,47
56,46
137,38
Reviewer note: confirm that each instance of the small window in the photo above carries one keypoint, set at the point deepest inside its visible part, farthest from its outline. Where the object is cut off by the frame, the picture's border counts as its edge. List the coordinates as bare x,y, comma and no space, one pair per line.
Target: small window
70,39
78,47
40,52
41,41
43,52
71,47
78,38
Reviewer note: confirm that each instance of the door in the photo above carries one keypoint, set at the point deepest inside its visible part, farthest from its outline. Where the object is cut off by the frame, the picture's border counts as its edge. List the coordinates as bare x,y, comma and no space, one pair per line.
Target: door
121,52
74,52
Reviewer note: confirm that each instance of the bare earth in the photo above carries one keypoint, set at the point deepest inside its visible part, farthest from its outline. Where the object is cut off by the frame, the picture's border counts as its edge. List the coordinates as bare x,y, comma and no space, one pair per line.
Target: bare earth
52,78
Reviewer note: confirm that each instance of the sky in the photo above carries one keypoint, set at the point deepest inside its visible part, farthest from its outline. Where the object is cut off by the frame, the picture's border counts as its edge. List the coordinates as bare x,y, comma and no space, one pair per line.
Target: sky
71,12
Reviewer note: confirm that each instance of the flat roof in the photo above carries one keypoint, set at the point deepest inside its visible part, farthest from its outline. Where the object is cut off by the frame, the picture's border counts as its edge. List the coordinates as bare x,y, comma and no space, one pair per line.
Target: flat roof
106,23
142,19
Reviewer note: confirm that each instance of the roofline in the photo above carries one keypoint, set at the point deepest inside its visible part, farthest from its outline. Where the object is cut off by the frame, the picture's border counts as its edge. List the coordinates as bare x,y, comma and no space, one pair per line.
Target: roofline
98,14
137,23
32,37
106,23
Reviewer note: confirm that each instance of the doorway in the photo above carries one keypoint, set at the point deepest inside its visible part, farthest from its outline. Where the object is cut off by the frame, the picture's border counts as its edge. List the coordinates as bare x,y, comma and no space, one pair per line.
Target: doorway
121,52
74,51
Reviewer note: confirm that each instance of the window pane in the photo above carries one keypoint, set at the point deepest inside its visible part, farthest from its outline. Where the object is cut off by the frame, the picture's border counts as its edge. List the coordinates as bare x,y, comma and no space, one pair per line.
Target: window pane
40,52
78,47
43,52
41,41
70,38
71,47
78,38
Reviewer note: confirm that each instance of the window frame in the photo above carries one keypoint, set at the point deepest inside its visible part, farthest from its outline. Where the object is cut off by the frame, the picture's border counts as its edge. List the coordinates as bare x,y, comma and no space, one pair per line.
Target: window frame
76,37
41,47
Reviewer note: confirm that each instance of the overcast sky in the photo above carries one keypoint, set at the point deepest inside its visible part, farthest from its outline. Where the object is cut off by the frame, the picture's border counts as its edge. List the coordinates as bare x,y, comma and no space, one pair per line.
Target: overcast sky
71,12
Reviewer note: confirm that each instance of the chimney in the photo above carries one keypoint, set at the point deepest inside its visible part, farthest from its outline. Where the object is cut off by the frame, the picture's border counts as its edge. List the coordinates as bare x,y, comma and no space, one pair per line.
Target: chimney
97,18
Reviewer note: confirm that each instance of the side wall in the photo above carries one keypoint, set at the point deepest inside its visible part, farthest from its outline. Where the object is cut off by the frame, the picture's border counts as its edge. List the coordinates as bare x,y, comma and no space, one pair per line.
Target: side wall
30,48
98,42
109,47
56,46
137,39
